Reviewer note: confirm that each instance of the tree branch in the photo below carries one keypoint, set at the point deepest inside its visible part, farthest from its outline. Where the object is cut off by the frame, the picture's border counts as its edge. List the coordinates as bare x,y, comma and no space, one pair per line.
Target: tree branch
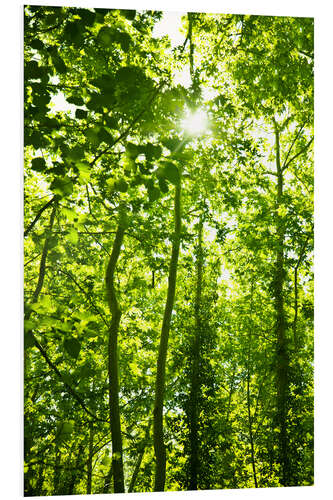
124,134
38,216
292,145
297,154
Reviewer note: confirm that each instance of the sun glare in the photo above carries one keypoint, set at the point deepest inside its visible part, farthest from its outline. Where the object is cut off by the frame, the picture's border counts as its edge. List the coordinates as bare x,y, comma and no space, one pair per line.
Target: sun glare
195,123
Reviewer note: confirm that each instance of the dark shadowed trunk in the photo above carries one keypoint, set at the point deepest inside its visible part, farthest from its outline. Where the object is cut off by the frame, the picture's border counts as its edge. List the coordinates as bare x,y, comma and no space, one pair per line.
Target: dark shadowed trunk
195,382
141,451
282,361
248,393
159,446
114,414
90,457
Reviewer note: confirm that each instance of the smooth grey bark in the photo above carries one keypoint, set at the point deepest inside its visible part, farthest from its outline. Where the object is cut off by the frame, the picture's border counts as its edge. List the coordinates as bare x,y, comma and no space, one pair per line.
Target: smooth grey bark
159,446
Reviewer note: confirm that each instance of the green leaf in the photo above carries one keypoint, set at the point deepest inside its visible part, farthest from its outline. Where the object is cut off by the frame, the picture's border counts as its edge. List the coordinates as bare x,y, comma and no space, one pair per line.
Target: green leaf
106,35
76,153
171,172
64,431
128,14
52,242
37,44
38,164
121,185
28,339
81,114
73,31
105,136
152,152
69,213
62,187
163,185
59,64
88,17
125,40
84,169
78,101
92,135
72,346
154,194
73,236
173,144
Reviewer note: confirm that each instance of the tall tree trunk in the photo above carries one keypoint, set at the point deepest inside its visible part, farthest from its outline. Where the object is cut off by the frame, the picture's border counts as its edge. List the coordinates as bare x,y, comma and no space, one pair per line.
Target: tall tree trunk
75,470
114,414
282,361
298,263
41,276
195,378
108,480
139,459
159,446
56,475
90,458
248,394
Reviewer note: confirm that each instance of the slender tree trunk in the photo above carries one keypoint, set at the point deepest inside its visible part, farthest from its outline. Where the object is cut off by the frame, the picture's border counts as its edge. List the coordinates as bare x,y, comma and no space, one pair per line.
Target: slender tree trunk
253,462
248,396
195,378
41,276
299,261
107,480
159,446
56,475
114,414
40,481
282,361
139,460
90,458
75,470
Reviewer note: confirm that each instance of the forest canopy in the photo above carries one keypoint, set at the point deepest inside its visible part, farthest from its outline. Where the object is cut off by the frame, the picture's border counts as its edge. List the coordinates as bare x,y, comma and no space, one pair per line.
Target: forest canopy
168,252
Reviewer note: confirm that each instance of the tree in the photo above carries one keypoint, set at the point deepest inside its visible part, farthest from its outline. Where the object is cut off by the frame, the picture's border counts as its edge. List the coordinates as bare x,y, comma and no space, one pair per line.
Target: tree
168,273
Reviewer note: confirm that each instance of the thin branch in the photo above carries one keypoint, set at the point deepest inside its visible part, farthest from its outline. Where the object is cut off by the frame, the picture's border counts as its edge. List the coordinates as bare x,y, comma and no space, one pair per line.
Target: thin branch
38,216
292,144
60,376
88,197
307,54
128,129
31,260
286,165
96,240
41,274
86,295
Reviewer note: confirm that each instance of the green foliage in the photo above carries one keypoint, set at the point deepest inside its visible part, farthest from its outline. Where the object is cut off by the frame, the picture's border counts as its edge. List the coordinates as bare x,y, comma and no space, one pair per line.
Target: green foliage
112,161
72,346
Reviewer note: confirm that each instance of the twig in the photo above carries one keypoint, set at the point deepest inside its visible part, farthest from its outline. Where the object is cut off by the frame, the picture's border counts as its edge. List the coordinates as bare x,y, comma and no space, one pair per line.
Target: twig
36,219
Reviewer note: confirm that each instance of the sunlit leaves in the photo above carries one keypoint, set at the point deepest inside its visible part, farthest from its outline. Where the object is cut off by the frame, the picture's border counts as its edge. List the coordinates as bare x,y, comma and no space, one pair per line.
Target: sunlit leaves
73,236
114,156
170,172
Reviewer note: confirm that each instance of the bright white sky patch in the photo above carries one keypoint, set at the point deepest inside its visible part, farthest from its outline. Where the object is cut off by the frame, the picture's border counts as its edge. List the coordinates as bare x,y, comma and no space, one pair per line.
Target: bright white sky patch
195,123
59,103
170,25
